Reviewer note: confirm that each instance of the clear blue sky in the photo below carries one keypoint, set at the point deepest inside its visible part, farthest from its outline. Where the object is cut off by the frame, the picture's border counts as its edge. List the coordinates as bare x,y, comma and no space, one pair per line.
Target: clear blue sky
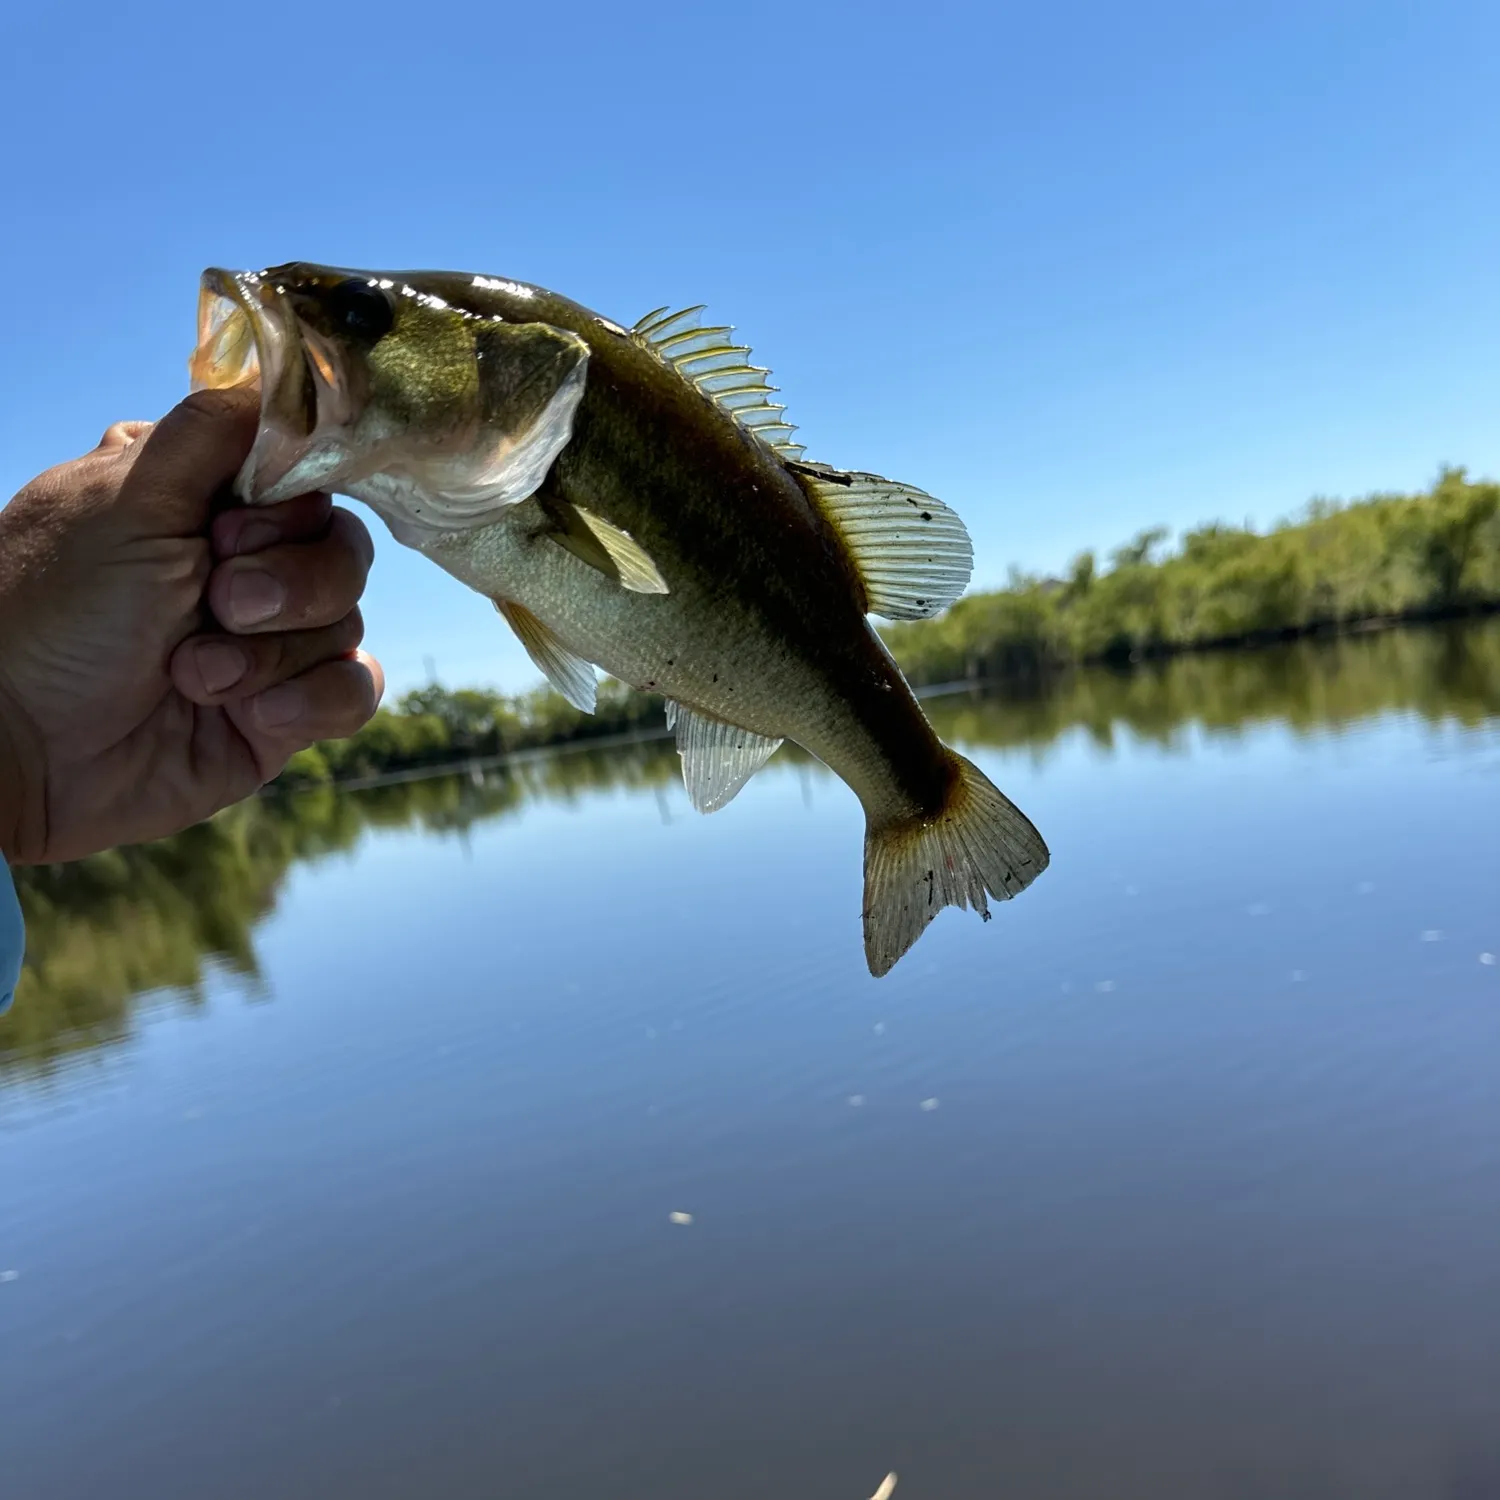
1076,268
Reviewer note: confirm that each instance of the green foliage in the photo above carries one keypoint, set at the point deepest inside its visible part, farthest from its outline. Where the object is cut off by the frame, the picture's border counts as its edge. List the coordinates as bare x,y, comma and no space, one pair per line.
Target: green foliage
437,726
152,924
108,933
156,919
1387,557
1383,558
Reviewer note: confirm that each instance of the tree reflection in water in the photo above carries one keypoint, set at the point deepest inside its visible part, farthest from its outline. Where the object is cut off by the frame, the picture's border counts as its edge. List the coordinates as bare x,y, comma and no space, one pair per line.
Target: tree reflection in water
107,933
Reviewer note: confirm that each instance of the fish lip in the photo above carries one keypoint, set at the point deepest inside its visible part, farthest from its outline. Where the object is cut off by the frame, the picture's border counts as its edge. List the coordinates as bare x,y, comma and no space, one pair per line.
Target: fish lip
229,284
271,325
278,342
249,289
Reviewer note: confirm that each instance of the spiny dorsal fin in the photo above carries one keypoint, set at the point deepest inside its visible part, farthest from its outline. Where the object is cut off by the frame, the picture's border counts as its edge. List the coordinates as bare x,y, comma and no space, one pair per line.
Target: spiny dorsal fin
912,552
568,672
707,359
613,552
717,758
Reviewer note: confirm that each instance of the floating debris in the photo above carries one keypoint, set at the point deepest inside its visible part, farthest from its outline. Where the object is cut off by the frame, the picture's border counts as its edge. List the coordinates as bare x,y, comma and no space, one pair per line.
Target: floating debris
1432,935
1486,958
856,1100
887,1487
1298,975
928,1104
678,1217
1104,986
10,1276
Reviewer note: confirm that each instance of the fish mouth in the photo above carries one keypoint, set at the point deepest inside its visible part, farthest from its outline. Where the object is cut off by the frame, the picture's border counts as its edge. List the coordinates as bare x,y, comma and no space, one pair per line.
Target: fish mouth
249,334
240,334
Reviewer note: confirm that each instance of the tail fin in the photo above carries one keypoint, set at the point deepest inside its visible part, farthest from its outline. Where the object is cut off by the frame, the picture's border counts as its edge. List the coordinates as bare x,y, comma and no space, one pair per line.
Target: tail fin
980,842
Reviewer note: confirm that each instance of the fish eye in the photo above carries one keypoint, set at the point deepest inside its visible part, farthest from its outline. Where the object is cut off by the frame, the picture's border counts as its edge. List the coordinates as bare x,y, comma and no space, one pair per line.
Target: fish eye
365,311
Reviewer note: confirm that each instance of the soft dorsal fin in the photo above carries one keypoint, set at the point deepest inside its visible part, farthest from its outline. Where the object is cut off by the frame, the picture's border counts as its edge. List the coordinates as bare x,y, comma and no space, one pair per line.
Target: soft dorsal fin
568,672
717,758
913,553
707,359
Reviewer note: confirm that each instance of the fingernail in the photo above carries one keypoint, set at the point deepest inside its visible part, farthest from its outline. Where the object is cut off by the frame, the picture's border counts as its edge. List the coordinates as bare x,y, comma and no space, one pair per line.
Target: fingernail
279,706
220,665
255,536
254,597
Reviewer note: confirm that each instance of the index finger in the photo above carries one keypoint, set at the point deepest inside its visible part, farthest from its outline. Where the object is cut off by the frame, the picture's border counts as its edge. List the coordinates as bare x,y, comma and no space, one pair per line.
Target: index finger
191,455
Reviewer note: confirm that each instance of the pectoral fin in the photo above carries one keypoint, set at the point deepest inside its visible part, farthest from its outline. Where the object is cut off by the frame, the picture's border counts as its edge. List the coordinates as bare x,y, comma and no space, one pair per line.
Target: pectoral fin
569,673
613,552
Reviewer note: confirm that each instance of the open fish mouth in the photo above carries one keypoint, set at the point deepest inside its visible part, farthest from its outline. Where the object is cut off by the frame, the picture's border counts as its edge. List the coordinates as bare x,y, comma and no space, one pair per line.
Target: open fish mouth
248,335
238,335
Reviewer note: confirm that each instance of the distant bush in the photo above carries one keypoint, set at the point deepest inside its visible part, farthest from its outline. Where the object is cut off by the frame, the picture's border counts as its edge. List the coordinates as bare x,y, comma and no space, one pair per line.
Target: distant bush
1386,557
436,726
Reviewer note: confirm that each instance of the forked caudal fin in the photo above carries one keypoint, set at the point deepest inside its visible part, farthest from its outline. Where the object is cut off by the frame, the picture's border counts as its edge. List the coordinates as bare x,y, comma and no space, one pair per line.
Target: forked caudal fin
979,844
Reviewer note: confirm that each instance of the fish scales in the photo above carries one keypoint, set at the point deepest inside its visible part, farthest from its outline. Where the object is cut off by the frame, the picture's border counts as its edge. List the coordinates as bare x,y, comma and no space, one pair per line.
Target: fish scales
630,500
763,625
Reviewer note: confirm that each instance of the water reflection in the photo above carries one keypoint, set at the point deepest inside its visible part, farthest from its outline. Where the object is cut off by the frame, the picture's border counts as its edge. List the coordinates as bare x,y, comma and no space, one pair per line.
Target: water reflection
104,932
1447,676
107,933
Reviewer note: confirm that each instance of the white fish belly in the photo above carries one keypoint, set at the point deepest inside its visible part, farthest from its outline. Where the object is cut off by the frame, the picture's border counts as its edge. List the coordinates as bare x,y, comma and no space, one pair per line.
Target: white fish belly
697,644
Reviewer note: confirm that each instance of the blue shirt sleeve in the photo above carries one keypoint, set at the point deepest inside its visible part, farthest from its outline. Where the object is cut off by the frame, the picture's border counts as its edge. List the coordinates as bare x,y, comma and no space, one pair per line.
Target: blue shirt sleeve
12,938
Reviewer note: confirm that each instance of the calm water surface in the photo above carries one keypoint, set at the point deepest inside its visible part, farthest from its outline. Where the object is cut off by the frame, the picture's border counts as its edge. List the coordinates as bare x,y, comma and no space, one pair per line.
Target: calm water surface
339,1142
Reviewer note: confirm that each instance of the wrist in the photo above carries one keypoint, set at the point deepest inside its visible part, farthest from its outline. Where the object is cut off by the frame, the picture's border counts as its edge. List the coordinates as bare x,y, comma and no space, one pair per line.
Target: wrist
23,801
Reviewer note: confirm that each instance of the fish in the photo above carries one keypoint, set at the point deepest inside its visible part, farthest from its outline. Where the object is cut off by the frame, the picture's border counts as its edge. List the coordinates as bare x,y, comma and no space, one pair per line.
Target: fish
633,500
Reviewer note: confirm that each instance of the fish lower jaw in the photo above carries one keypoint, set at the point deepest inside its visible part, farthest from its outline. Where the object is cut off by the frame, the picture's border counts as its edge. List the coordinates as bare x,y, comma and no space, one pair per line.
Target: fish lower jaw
271,474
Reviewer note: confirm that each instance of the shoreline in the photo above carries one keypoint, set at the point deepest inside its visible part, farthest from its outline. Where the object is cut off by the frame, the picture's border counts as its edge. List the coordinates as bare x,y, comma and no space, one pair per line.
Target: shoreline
1321,631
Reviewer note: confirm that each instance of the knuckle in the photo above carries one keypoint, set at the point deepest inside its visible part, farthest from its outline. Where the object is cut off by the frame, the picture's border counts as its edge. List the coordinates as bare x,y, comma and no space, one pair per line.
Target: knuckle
287,577
349,632
208,406
287,654
356,693
278,659
207,417
305,591
348,529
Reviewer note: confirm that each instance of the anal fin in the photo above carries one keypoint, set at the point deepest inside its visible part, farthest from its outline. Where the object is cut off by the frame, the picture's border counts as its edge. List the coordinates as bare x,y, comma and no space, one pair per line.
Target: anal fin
717,758
568,672
593,540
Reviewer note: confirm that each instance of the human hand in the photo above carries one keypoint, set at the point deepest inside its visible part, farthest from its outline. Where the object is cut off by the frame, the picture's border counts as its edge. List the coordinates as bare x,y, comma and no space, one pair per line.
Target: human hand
160,657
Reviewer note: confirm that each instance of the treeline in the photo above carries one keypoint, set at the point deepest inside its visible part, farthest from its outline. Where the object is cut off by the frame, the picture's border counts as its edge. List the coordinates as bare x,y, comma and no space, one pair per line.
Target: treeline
1386,558
438,726
156,923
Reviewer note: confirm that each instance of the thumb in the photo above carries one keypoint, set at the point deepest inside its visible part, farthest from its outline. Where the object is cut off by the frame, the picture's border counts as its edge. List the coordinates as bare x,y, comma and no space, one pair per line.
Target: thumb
181,464
118,436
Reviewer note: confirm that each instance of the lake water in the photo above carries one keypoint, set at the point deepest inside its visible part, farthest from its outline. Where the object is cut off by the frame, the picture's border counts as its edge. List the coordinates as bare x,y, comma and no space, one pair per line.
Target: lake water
340,1140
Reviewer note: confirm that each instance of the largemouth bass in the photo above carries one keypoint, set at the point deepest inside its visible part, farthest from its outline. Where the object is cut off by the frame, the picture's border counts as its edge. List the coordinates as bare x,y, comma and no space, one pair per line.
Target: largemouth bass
633,499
